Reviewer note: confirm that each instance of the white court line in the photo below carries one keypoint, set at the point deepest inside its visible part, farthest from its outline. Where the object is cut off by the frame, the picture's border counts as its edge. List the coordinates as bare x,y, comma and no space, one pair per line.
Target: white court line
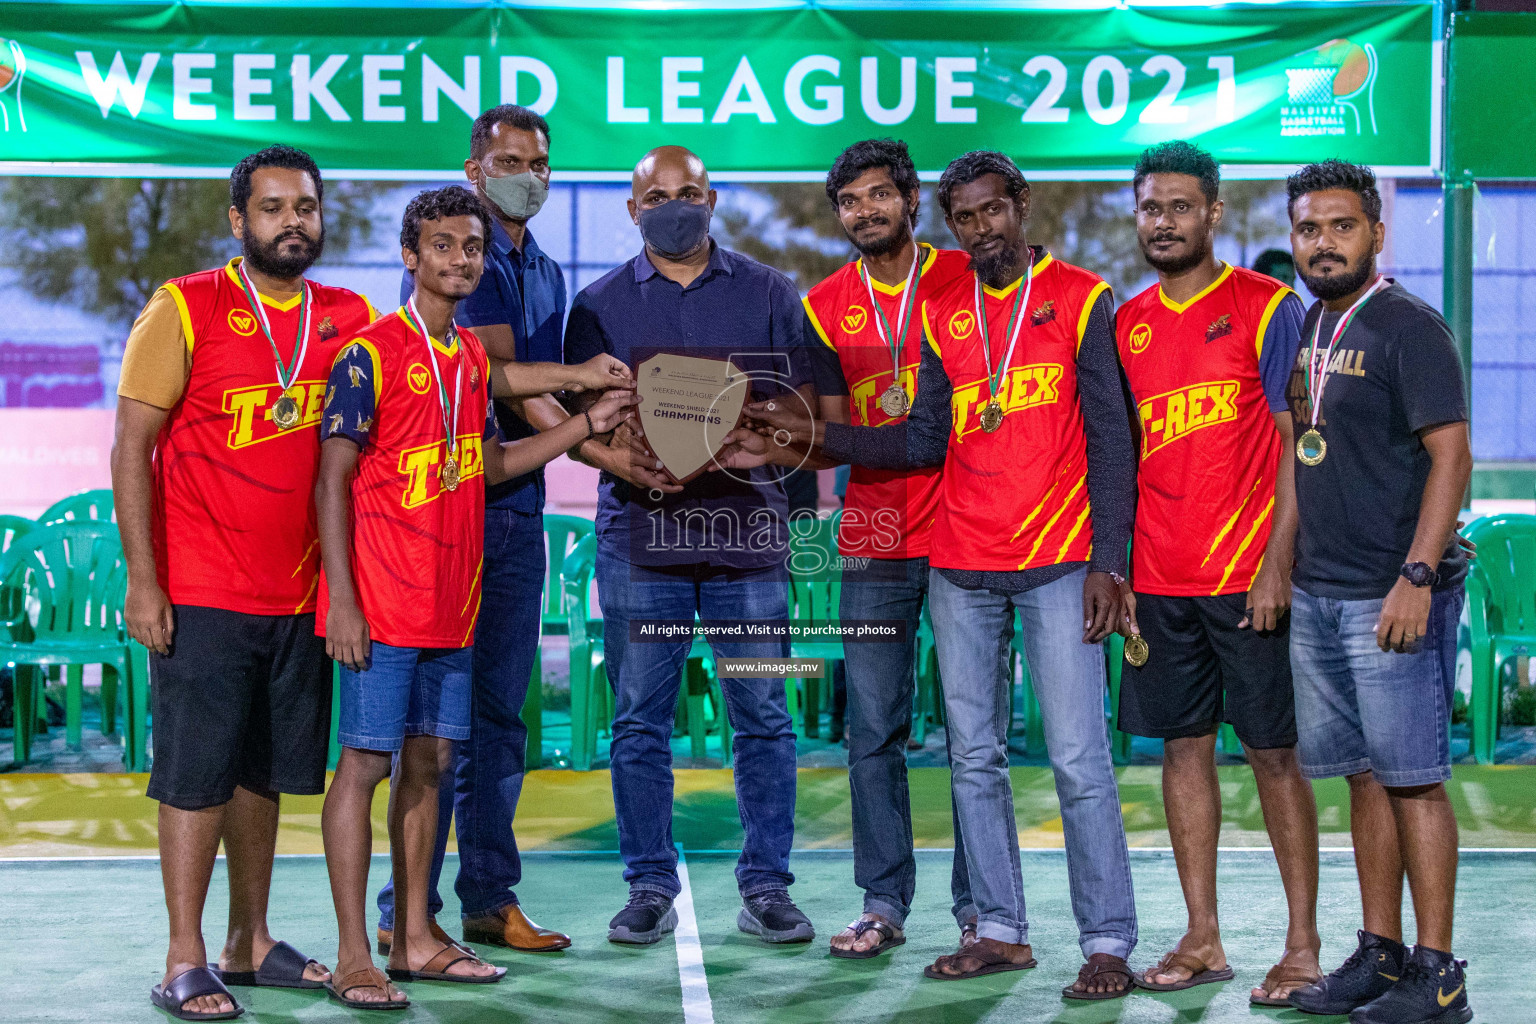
697,1009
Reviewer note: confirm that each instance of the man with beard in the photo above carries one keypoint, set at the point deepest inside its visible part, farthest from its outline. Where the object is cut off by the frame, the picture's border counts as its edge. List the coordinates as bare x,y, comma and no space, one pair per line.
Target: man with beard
220,399
1383,464
866,315
1207,352
1018,396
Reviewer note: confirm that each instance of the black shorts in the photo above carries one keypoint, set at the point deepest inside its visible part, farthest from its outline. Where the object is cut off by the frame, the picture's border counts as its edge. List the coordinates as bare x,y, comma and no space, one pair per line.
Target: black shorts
1202,670
241,700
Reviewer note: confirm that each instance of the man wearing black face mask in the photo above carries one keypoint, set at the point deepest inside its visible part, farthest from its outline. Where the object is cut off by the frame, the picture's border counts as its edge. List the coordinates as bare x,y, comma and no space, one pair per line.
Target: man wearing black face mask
715,547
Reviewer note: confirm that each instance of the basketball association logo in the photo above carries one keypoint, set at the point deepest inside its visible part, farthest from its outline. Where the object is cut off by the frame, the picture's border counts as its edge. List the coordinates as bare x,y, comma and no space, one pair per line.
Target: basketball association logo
418,378
242,322
855,319
961,324
1330,90
13,70
1141,337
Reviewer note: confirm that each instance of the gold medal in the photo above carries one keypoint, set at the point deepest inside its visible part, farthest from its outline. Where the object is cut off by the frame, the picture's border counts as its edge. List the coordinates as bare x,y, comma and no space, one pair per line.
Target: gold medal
1310,447
992,417
1136,650
450,473
893,402
285,412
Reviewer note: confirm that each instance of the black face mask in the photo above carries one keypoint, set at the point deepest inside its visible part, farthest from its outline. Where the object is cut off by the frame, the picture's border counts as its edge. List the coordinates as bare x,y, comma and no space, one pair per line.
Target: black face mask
675,228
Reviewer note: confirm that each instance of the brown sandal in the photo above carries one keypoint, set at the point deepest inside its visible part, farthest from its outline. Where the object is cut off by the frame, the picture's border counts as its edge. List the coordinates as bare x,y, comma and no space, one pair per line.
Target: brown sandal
367,977
436,969
1101,964
1282,974
889,935
988,956
1199,973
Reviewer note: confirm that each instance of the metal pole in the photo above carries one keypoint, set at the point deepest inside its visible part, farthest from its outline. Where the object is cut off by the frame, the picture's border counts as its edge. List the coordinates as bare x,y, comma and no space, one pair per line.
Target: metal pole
1460,243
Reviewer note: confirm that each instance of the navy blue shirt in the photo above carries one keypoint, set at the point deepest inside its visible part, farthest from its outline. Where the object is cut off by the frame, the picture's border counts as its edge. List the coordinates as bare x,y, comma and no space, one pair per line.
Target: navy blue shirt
526,290
738,309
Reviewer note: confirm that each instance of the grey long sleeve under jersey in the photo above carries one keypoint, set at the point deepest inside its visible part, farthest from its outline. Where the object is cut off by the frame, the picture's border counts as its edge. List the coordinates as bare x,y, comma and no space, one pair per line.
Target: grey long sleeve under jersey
923,440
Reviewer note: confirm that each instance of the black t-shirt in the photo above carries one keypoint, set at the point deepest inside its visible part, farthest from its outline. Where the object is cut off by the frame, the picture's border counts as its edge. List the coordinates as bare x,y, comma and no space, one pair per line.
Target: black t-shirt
1394,373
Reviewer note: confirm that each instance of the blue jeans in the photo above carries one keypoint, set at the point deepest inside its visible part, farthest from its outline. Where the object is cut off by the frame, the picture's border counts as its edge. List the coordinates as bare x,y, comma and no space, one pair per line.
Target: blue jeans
646,678
1359,708
880,687
405,691
483,789
973,629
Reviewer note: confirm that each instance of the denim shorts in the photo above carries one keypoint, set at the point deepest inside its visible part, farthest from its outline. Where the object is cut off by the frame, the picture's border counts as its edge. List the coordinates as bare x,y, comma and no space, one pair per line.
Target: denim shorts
1359,708
406,691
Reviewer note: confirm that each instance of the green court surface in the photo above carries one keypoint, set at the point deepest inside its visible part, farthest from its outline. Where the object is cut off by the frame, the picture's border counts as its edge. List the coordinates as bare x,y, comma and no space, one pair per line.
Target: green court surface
82,940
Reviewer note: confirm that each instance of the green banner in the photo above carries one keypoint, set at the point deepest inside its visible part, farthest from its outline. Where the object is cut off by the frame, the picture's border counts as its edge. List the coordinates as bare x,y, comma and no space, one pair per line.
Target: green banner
1492,96
761,91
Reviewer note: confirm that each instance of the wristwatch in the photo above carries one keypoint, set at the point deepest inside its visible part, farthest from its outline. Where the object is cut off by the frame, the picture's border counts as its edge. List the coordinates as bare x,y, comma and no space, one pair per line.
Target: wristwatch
1420,574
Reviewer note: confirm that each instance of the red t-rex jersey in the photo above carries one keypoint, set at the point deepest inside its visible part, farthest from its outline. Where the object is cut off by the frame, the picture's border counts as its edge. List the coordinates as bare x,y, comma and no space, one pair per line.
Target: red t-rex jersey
234,519
886,513
1017,498
1209,448
416,543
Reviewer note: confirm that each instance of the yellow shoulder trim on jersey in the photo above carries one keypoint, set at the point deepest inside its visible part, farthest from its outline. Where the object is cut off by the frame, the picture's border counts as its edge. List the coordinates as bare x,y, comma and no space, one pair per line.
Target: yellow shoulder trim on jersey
820,331
1003,293
891,289
181,308
1269,311
1082,318
447,350
373,314
1179,307
284,306
373,356
928,330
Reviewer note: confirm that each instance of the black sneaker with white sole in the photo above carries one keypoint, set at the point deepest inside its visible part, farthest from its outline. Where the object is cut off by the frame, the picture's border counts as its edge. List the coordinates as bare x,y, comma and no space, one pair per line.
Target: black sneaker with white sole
1368,972
645,919
773,917
1432,990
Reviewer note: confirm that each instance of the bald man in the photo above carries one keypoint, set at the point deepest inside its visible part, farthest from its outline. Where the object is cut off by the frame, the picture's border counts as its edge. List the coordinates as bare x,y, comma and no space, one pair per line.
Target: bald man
713,547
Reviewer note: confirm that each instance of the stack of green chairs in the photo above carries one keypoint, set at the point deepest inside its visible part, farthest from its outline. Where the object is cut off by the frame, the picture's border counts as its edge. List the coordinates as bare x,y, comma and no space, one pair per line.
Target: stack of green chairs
815,589
700,701
1501,616
87,505
561,535
928,697
73,574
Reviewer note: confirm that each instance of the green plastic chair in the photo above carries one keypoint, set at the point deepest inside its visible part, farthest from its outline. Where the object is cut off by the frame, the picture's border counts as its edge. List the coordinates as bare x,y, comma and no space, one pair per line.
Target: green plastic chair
815,590
561,535
74,574
928,695
87,505
591,696
1501,615
13,596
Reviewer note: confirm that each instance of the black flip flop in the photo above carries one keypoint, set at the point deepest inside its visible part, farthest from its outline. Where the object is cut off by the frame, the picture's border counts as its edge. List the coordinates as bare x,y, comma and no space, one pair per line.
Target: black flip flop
284,967
189,984
888,940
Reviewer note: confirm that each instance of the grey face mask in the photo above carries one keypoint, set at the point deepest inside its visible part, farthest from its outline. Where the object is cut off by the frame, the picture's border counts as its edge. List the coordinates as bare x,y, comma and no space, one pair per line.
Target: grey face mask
519,196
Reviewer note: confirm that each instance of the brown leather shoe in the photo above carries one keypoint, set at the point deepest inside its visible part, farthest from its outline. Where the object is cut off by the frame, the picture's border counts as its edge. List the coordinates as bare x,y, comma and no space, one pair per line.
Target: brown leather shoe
386,939
511,928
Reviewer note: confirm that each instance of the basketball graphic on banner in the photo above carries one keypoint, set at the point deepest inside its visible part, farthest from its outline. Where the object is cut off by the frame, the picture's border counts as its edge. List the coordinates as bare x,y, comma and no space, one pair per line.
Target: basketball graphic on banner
13,69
